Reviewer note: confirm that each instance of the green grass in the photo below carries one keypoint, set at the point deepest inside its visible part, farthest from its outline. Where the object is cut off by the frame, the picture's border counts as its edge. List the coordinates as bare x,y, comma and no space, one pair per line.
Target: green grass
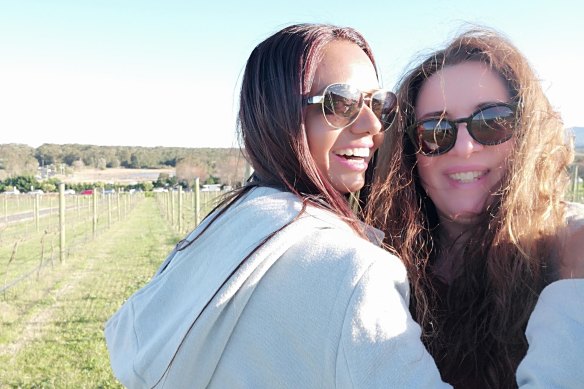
41,246
51,327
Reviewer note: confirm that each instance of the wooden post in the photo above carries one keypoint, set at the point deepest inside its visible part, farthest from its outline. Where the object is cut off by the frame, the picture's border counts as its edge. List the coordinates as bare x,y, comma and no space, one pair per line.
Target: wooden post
118,205
197,202
575,184
171,194
180,208
50,206
61,222
94,212
109,210
36,208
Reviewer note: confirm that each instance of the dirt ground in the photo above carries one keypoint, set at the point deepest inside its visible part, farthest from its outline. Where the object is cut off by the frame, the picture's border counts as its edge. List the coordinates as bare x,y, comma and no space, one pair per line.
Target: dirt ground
117,175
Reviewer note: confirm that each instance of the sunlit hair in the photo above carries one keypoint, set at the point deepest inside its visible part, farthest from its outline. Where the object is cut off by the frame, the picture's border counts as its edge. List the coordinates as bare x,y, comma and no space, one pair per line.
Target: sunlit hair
278,77
509,254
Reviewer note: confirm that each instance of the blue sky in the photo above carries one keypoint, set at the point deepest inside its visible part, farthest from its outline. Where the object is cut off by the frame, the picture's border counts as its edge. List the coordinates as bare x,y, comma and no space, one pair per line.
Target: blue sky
166,73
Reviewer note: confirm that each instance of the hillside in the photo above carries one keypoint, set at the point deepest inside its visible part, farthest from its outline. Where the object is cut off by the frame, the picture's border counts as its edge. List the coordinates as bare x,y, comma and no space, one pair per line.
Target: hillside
135,164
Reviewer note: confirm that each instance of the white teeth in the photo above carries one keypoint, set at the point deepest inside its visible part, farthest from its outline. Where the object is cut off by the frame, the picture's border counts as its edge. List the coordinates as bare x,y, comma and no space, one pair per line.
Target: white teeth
362,152
466,177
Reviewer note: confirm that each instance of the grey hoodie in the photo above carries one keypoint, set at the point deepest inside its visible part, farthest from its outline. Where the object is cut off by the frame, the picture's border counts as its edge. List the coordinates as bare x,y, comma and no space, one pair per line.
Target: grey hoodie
315,306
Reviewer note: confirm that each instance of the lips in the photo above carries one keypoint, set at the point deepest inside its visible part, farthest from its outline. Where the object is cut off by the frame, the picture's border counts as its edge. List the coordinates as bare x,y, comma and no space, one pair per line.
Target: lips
467,177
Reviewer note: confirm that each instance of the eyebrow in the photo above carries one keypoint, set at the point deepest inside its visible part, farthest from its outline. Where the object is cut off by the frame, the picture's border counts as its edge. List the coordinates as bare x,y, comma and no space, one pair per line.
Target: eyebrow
433,115
444,114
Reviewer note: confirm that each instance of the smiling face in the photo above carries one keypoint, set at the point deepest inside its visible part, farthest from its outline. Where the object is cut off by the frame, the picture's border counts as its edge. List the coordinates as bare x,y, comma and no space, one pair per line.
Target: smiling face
342,154
461,181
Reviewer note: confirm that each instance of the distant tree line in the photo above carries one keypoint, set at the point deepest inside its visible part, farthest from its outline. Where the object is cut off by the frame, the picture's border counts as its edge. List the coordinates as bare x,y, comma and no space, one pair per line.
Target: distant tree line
24,184
211,165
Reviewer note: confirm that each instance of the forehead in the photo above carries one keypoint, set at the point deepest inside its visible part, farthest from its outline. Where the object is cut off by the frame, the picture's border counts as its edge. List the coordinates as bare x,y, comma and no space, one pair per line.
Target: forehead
459,89
344,62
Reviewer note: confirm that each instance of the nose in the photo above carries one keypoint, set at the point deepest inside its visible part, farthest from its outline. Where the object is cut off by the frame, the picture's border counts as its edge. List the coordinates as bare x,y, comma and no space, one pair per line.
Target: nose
465,145
366,122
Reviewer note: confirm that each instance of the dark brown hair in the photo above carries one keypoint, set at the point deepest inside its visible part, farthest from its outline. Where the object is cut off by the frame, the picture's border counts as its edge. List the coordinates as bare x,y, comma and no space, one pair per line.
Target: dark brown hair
271,121
476,330
277,79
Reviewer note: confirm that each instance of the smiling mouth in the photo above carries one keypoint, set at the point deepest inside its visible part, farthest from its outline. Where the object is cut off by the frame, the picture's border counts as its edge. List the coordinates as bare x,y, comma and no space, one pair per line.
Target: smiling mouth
357,153
467,177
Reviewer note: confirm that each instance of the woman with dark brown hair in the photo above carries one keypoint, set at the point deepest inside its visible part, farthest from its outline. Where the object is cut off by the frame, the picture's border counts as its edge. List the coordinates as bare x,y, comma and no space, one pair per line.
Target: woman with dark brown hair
470,191
282,285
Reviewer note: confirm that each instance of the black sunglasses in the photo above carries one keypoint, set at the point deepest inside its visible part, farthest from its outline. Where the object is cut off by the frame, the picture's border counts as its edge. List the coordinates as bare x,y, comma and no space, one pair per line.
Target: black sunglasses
342,103
490,125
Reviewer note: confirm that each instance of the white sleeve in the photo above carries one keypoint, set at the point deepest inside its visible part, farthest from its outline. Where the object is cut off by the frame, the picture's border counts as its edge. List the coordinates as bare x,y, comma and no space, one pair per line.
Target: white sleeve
380,343
555,332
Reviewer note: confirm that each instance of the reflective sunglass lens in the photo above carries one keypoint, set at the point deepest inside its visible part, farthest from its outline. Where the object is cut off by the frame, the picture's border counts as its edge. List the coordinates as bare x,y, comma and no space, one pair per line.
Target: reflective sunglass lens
493,125
383,106
342,104
435,136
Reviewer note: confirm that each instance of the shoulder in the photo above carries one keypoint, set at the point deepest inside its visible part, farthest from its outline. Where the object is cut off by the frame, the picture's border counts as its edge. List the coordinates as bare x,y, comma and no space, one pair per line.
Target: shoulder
258,212
343,245
379,342
555,333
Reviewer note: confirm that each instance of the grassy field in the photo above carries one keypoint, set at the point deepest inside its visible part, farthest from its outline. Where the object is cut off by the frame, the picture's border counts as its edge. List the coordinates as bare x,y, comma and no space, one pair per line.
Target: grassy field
115,175
51,328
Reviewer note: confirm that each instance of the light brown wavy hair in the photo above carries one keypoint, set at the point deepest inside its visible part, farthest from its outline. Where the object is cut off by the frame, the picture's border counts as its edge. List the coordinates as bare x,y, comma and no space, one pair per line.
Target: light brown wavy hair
476,333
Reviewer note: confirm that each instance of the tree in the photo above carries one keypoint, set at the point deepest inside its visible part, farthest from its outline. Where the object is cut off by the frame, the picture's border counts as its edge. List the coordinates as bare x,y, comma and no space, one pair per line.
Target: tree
147,186
17,159
49,154
134,161
101,163
187,169
78,165
22,183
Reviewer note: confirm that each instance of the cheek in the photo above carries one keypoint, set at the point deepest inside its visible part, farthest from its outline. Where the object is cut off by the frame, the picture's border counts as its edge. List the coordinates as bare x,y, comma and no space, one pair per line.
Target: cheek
505,151
377,141
425,167
319,145
320,137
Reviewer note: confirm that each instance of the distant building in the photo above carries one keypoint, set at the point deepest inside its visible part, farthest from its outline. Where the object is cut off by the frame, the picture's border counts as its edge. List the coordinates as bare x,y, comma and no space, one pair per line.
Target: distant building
14,191
211,188
45,172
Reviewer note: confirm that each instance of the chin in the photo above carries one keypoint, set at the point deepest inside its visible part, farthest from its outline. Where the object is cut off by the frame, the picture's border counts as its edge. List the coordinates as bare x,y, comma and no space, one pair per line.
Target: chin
352,188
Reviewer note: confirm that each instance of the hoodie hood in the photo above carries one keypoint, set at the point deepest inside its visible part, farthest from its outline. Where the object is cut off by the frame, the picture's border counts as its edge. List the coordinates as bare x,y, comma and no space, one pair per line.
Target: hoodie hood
195,301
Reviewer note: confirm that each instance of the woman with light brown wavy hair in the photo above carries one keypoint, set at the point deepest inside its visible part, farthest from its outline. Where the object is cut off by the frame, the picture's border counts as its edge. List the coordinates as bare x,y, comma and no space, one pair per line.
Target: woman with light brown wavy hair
469,190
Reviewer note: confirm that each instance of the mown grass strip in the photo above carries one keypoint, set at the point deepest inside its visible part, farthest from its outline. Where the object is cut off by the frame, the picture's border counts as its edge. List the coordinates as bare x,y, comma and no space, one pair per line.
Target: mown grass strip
52,329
